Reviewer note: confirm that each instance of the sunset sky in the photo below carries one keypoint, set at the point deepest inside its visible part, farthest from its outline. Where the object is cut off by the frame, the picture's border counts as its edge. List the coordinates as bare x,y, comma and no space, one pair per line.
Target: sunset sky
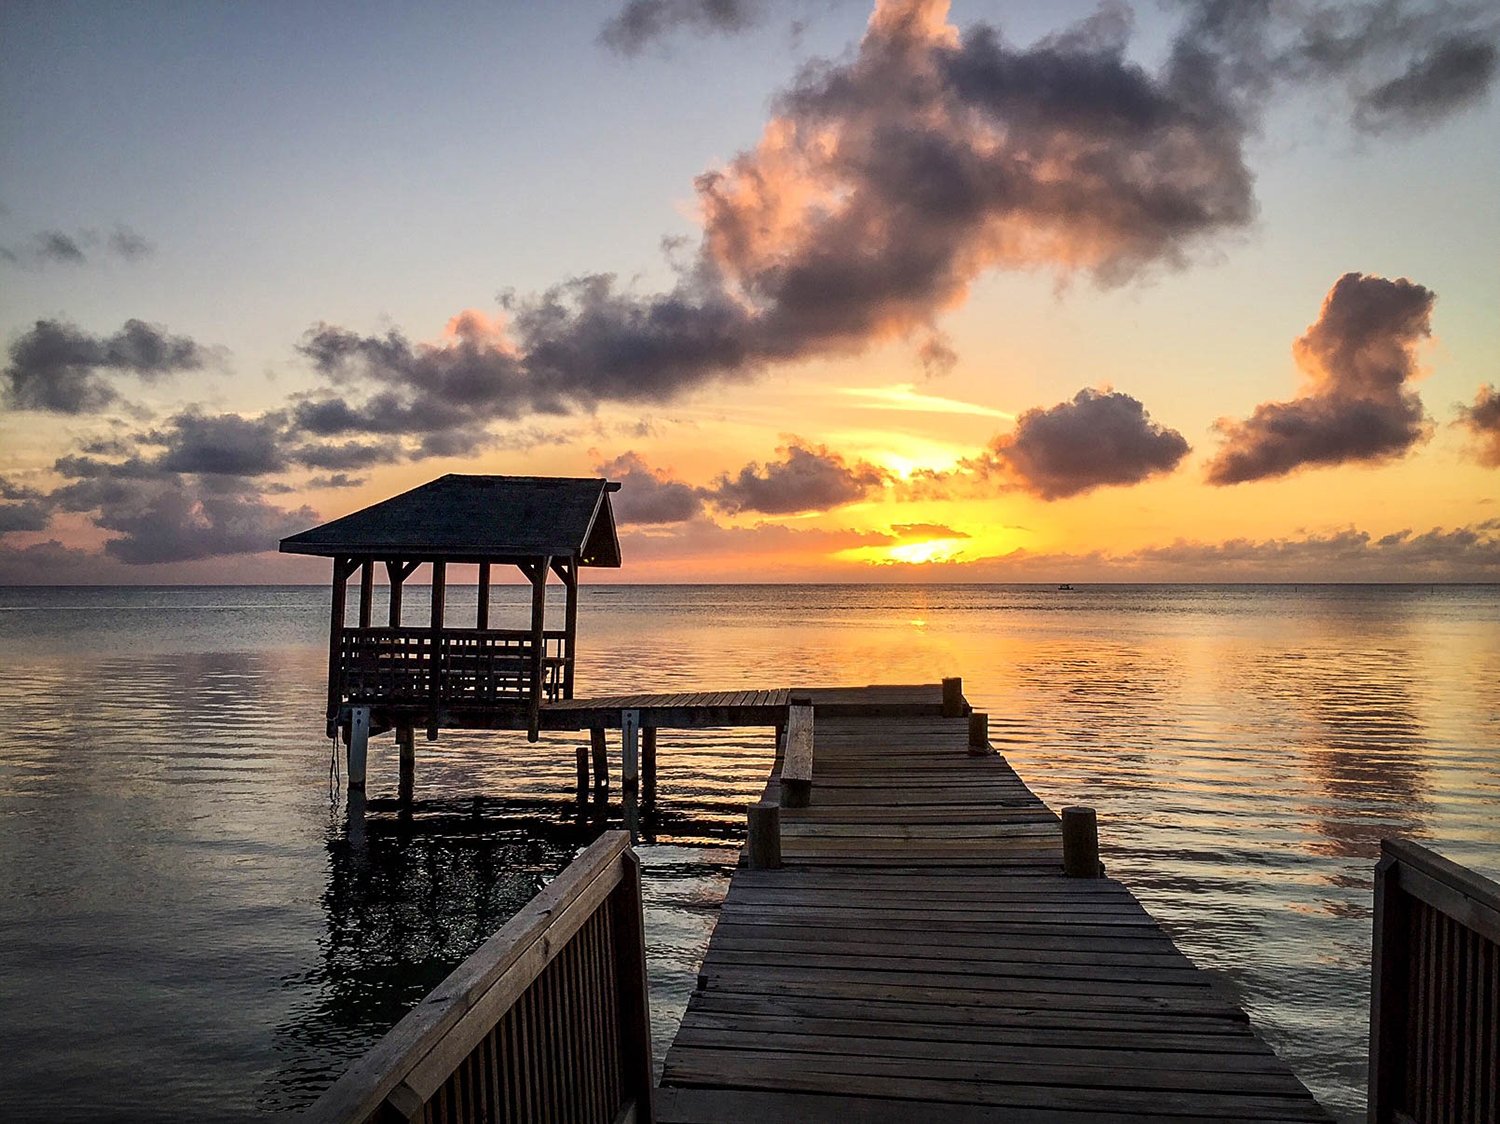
1024,291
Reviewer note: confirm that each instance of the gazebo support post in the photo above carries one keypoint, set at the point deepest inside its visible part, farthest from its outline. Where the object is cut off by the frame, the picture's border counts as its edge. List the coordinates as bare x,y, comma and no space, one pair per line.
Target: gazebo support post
366,591
435,652
567,571
482,618
342,568
537,572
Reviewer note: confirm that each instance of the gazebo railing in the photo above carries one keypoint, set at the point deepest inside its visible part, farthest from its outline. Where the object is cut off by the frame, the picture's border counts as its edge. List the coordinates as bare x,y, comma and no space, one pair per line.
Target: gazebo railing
451,666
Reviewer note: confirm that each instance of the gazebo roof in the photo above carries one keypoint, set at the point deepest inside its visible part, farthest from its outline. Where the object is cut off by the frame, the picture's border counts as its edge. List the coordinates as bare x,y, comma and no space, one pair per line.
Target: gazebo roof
465,518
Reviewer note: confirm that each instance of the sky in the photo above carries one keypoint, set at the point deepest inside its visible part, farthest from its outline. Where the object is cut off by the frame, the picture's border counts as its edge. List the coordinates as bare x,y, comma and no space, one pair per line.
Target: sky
1179,290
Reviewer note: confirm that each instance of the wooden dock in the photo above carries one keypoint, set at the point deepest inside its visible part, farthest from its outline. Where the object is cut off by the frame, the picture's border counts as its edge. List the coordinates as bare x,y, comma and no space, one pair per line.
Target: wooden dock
920,956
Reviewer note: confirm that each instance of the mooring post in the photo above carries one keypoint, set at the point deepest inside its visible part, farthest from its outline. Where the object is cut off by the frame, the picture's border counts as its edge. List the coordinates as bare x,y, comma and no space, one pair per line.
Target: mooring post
953,697
648,768
1080,840
630,750
406,743
601,759
979,733
583,773
359,745
763,844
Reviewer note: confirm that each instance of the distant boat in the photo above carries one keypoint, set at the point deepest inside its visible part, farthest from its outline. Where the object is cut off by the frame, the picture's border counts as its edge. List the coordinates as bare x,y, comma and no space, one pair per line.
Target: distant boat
1065,588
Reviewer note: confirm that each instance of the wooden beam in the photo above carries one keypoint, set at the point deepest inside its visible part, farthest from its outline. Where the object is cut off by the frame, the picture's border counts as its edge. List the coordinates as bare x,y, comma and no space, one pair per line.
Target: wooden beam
366,591
797,756
483,618
648,768
538,648
395,574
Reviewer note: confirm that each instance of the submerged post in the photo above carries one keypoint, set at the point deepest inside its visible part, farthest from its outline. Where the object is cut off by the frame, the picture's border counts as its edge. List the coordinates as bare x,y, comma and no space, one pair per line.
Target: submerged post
359,745
953,697
1080,839
763,841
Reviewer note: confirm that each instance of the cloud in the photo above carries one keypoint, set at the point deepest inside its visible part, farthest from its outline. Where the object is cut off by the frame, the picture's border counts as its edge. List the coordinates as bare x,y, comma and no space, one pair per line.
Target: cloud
909,532
223,444
57,247
58,368
1099,439
1358,356
1482,420
882,187
337,480
807,478
642,23
1396,63
183,520
48,563
649,495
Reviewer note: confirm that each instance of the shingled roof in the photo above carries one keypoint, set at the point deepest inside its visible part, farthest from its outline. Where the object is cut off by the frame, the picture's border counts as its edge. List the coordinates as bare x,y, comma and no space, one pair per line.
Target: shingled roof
477,519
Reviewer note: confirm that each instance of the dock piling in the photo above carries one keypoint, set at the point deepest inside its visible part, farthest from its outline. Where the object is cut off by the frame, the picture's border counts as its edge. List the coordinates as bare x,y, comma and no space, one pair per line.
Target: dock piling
359,745
583,773
601,759
630,750
406,742
763,845
1080,840
648,769
953,697
979,733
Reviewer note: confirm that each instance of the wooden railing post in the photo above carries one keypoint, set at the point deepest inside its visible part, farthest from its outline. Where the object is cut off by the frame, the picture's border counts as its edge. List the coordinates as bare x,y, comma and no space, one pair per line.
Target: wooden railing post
796,778
1080,840
979,733
635,1007
1388,987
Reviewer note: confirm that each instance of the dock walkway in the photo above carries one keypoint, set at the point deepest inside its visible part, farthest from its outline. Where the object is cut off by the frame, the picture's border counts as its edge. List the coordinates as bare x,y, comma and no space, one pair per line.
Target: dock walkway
919,956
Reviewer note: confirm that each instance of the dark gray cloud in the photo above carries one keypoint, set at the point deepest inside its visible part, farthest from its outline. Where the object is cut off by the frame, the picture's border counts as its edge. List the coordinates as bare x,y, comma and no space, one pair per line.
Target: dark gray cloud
52,247
337,480
59,368
1099,439
1359,357
807,478
1482,420
649,495
182,521
222,444
26,515
1394,62
643,23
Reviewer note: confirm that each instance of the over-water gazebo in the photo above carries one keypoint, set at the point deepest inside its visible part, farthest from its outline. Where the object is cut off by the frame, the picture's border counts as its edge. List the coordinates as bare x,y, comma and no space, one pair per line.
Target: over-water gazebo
395,675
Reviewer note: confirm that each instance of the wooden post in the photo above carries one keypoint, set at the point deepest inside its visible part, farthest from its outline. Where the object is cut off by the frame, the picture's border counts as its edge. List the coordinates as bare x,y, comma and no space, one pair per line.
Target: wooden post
601,759
435,645
342,568
406,743
979,733
366,591
648,768
394,577
630,749
359,745
1080,839
538,577
637,1076
953,697
583,773
796,777
483,617
763,840
570,627
1388,990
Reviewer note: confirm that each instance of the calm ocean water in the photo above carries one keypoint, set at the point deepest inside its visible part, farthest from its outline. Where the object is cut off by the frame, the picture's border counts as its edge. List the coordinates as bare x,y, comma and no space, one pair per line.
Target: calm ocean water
186,930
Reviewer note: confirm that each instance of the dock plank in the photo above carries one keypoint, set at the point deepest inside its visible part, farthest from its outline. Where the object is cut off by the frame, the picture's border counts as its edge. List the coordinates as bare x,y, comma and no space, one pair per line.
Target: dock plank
920,956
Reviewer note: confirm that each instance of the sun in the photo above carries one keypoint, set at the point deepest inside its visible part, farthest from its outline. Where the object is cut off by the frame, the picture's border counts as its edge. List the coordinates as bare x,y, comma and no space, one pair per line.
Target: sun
929,550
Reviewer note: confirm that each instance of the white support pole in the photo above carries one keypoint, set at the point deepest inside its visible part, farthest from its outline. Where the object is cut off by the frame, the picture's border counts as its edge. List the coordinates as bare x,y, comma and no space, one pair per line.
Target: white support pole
630,748
359,744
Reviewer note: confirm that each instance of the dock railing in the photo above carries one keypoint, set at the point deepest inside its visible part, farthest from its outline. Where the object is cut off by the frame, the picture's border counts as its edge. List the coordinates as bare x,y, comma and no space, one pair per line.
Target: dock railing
548,1020
1435,990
